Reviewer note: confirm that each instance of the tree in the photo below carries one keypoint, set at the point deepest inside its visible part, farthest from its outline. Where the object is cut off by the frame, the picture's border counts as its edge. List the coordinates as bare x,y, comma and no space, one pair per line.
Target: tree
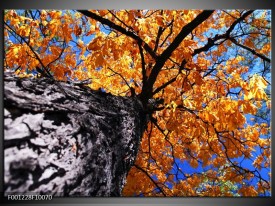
200,76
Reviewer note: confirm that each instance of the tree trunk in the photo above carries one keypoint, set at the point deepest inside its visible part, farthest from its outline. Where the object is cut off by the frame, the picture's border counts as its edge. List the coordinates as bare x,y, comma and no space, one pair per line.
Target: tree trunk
79,142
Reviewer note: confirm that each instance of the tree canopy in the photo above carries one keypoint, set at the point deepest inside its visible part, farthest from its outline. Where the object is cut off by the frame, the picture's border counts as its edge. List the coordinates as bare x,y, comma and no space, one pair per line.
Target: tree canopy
210,71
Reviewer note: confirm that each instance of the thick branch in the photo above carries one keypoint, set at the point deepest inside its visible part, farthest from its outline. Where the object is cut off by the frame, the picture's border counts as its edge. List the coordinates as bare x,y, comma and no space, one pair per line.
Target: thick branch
147,92
211,43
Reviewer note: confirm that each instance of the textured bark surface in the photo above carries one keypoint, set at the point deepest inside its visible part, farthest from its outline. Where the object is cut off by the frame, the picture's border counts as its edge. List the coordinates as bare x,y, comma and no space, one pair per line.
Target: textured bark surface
79,144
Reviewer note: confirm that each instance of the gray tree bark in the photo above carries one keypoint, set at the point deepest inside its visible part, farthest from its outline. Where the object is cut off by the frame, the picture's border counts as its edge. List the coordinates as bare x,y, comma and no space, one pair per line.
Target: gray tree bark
78,143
